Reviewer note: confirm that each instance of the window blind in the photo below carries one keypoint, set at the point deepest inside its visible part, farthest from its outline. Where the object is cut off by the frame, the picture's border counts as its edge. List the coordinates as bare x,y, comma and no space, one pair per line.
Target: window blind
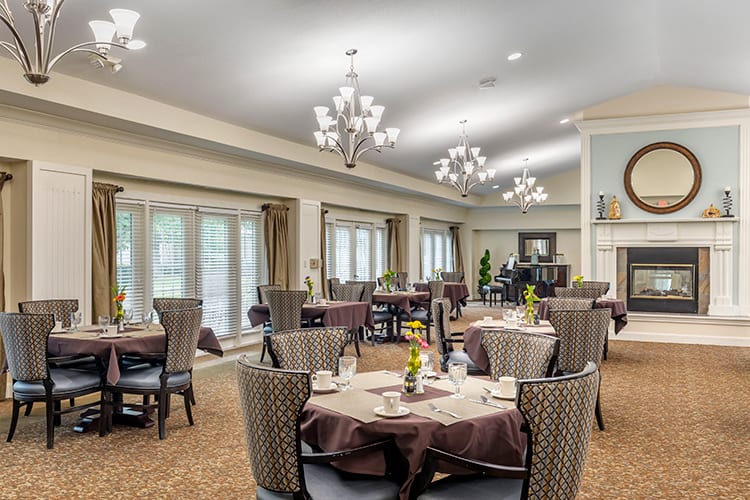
131,255
362,268
251,256
172,252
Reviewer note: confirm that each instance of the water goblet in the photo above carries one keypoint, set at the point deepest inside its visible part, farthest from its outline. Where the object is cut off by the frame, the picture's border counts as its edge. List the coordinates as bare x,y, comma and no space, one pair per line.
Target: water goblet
75,319
147,320
127,316
457,376
347,369
103,322
427,361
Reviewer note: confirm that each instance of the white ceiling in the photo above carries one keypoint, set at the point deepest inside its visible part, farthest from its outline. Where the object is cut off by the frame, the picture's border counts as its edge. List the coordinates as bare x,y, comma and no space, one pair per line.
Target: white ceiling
265,64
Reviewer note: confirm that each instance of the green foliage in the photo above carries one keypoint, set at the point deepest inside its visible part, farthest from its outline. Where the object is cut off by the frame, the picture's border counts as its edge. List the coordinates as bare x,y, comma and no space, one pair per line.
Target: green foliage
484,270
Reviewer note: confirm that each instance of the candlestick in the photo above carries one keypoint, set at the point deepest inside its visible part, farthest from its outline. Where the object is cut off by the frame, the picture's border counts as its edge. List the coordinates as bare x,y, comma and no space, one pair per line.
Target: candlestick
600,206
727,202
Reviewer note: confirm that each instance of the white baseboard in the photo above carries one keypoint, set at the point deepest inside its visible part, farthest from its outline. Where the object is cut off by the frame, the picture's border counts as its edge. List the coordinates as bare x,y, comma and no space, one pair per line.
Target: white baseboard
686,329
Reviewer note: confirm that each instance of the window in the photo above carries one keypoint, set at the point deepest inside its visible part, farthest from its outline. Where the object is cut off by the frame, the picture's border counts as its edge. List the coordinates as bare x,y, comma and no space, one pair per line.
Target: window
437,251
213,254
355,251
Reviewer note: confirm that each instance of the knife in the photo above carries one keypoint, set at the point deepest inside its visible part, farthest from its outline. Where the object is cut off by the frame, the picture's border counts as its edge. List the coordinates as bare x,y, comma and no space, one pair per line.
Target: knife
488,403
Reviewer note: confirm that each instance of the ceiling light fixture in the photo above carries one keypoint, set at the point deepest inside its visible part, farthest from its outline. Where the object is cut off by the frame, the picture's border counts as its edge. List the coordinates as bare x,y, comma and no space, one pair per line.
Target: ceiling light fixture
487,83
357,118
514,56
38,64
564,121
465,168
524,195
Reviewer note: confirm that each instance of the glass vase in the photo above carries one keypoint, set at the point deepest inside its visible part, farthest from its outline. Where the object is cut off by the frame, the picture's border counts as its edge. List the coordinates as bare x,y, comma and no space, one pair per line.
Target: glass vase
415,362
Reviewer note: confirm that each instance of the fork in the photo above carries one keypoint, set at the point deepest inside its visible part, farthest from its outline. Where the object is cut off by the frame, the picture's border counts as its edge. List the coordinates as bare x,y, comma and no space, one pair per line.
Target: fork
439,410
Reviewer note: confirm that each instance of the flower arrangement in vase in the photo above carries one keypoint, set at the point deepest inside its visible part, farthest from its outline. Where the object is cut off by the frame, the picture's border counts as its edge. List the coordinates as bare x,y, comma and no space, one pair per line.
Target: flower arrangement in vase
309,284
437,272
388,275
416,342
530,296
118,297
578,280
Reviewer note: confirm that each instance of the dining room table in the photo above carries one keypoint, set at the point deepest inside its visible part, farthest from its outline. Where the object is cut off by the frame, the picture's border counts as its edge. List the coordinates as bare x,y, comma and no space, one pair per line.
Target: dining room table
455,292
473,338
352,315
619,312
347,419
400,300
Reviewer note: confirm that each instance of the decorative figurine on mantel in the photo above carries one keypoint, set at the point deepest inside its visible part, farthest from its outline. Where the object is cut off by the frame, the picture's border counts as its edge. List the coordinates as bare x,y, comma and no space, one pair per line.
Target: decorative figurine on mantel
727,202
711,212
614,209
600,206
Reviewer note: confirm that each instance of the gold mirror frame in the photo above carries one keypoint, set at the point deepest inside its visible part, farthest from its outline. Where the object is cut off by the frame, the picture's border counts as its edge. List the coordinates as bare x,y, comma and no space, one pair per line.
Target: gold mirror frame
689,156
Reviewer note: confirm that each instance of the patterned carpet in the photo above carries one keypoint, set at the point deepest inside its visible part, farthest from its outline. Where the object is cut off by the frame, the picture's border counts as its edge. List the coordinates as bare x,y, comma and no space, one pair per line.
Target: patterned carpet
676,415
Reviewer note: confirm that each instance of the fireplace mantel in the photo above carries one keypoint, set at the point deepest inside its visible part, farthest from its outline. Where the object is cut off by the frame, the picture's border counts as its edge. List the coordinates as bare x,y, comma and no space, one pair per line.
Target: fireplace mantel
717,234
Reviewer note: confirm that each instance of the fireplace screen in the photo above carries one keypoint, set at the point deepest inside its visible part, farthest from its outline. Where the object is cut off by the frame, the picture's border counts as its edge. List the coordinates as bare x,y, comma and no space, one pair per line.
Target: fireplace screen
662,281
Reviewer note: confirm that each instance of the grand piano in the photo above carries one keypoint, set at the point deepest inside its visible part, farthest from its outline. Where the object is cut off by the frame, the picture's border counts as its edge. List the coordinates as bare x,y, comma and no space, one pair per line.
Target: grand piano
514,278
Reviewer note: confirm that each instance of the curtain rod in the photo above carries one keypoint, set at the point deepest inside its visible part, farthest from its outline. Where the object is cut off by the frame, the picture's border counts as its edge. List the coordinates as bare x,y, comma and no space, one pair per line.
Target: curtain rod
7,176
266,206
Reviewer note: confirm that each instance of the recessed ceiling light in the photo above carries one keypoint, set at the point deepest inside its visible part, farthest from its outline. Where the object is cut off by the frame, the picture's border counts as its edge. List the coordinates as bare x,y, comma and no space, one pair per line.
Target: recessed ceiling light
514,56
564,121
495,187
487,83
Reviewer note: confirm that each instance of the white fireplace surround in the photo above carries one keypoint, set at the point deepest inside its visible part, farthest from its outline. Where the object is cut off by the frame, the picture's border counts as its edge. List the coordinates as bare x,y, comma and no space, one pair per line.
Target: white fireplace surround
716,234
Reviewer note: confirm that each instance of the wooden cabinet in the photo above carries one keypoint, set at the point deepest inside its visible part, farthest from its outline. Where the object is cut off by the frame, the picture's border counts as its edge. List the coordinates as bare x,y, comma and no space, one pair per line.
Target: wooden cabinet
544,276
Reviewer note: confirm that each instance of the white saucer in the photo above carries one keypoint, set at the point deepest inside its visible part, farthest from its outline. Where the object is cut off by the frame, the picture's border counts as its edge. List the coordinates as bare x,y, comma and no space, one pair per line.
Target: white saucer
115,336
324,390
380,411
500,395
429,374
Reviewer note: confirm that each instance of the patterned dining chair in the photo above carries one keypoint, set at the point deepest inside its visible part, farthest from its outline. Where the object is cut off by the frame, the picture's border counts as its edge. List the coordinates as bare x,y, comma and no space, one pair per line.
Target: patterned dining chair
380,315
272,401
452,277
402,280
262,291
567,303
602,286
174,303
331,282
350,293
519,354
174,376
582,335
25,338
61,308
445,339
577,293
421,311
557,413
308,349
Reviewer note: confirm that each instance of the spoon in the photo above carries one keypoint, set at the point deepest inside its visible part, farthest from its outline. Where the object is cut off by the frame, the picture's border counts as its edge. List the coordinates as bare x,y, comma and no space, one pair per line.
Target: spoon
439,410
491,403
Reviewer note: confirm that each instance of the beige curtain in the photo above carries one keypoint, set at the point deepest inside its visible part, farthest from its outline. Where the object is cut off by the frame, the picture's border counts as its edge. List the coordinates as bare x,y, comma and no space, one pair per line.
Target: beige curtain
103,248
276,235
458,259
3,377
393,241
323,253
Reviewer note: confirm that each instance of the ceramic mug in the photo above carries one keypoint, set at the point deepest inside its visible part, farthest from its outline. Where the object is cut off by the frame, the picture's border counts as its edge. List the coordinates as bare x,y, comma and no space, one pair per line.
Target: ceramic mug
391,401
322,379
507,386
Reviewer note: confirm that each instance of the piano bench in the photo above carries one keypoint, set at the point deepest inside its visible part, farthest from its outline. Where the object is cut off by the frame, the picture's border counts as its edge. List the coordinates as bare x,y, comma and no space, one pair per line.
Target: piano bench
492,291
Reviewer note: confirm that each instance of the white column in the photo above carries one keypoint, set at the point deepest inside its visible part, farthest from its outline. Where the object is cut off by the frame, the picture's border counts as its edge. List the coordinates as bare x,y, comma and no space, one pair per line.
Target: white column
586,257
742,196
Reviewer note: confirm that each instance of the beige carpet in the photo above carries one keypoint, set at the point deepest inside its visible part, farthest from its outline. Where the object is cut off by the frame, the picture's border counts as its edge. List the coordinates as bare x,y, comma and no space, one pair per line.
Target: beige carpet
677,427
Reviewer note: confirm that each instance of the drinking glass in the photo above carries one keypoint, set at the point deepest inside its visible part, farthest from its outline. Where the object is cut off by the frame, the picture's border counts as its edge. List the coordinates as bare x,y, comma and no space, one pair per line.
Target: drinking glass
103,322
457,376
427,360
75,319
347,369
127,315
147,320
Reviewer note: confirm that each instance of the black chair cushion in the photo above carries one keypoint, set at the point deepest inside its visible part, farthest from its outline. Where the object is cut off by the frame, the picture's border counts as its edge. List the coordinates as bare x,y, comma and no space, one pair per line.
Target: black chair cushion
323,481
66,381
148,378
454,487
381,316
463,357
417,314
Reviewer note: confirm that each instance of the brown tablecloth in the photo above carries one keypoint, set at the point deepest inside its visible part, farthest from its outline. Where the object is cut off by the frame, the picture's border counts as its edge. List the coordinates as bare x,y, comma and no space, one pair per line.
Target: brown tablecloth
402,300
109,350
473,342
495,437
455,292
349,314
617,306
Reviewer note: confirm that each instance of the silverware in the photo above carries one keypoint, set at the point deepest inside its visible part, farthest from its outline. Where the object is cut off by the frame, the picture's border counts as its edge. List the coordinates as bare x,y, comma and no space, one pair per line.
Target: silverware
492,403
394,374
477,401
439,410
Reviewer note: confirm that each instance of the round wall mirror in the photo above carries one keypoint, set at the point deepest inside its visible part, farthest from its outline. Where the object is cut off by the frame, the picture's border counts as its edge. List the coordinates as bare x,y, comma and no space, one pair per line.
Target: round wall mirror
662,177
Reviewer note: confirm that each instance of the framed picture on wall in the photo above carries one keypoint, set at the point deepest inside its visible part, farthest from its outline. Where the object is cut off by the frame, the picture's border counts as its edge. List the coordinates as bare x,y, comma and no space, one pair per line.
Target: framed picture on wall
545,245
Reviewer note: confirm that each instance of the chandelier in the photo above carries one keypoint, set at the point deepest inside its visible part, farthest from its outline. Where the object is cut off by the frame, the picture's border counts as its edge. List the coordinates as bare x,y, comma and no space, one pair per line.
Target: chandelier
464,168
354,130
525,195
37,61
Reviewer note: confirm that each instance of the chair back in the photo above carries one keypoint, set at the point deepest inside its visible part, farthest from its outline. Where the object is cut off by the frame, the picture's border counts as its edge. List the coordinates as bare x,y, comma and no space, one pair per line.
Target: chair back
271,402
568,303
348,293
436,288
440,309
182,327
577,293
285,307
308,349
452,277
175,303
262,289
403,279
61,308
582,335
518,354
25,339
602,286
558,412
331,282
367,291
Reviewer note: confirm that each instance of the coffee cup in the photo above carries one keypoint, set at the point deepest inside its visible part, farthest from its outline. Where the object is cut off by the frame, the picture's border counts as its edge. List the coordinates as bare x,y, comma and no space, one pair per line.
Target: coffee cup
58,326
322,379
391,401
507,386
487,319
323,301
112,330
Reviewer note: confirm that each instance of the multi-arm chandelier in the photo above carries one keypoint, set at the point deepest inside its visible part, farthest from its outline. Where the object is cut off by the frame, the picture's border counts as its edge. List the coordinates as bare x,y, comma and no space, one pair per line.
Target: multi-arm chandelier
38,63
354,130
525,195
464,168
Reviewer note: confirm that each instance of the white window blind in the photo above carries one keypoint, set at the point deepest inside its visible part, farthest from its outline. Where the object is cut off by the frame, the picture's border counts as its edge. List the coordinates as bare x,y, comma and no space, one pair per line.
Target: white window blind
217,271
380,251
344,252
437,251
251,256
362,257
131,255
329,251
172,252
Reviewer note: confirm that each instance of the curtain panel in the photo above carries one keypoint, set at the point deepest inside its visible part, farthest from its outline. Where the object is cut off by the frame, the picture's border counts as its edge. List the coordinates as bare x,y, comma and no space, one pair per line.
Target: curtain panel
4,176
276,239
458,259
393,242
103,248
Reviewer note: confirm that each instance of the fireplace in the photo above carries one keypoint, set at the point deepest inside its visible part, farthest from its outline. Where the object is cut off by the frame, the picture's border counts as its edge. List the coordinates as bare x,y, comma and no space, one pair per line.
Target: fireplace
662,279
